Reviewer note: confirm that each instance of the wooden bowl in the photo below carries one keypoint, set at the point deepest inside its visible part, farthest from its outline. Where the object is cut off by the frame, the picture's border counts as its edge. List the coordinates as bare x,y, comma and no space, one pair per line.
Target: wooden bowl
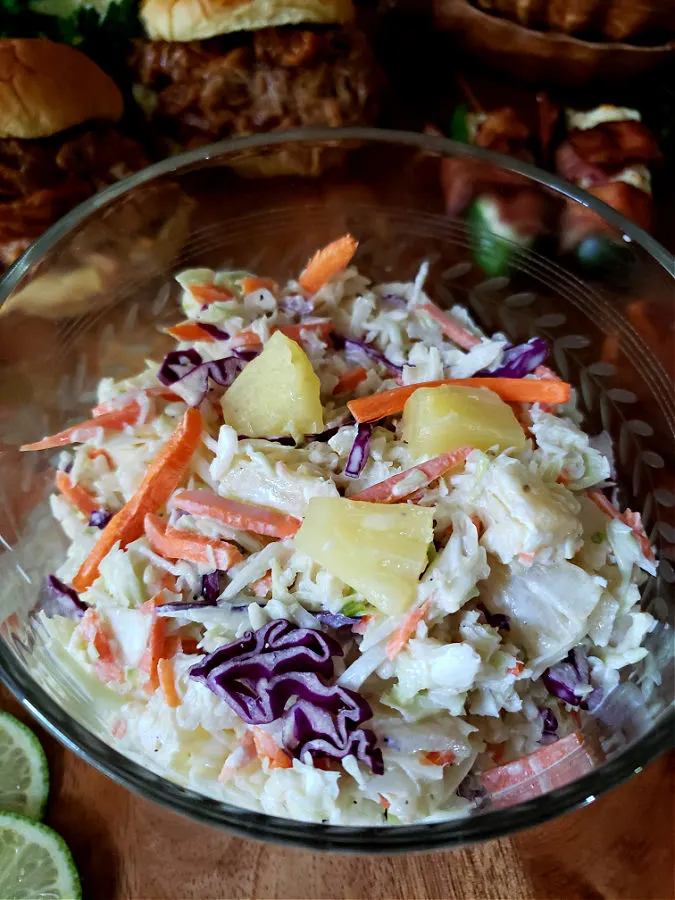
543,55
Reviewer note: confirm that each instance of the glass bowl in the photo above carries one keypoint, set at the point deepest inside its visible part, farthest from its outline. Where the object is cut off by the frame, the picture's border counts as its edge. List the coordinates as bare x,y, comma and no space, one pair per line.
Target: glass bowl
87,300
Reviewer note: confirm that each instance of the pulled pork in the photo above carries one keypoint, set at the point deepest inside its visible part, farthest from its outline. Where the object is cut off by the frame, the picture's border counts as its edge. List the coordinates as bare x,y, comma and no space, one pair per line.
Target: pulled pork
268,80
41,180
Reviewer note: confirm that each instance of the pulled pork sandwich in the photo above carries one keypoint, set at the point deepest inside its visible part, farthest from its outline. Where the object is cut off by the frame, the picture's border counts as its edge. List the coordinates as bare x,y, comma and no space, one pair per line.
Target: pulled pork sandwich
58,143
213,69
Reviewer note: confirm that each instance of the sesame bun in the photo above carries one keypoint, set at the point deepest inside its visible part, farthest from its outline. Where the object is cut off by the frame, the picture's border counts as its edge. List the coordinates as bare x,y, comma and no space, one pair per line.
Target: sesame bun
196,20
47,87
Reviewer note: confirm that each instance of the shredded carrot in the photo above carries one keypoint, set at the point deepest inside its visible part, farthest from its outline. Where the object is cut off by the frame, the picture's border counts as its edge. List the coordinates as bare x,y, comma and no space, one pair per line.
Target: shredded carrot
478,524
266,747
75,494
239,758
497,752
350,380
172,645
96,452
384,491
108,667
115,420
155,648
511,390
125,400
173,543
244,516
452,329
527,558
632,519
325,763
552,765
361,626
189,645
161,480
11,623
119,728
406,629
210,293
252,283
440,757
383,801
546,374
321,327
446,535
263,586
517,668
331,259
167,582
167,682
245,339
564,477
190,331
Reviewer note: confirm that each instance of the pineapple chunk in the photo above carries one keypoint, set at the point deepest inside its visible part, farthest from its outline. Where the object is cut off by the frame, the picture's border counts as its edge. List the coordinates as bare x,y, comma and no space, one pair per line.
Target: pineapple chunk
379,550
276,394
441,419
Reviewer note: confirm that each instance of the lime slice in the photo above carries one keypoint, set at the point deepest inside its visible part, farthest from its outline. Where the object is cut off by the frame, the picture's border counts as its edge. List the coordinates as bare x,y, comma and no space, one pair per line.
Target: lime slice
24,776
35,863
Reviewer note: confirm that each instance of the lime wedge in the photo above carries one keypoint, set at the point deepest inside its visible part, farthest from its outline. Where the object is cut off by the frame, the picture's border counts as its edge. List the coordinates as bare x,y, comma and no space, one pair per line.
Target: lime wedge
35,863
24,776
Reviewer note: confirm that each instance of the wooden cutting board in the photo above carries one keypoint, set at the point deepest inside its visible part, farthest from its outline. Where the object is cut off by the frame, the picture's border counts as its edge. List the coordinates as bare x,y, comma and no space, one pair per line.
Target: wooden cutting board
126,848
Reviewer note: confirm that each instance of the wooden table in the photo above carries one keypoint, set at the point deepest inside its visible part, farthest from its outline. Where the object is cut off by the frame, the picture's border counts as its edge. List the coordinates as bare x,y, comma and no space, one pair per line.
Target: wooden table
127,848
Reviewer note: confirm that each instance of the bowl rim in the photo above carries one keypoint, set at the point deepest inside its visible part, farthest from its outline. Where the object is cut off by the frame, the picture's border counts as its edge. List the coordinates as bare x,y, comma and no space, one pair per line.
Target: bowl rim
432,143
246,823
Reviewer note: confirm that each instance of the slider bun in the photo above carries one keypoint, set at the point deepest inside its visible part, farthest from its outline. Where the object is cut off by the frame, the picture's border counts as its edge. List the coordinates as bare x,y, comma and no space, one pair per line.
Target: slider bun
196,20
47,87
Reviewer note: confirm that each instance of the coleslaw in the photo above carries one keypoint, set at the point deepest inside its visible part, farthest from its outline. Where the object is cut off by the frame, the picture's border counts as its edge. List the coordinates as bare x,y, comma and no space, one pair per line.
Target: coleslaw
340,556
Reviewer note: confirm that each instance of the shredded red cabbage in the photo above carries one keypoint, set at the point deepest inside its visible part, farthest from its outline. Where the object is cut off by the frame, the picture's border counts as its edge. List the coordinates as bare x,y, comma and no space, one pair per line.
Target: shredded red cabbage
296,303
214,331
519,361
180,606
285,439
352,346
336,620
331,431
261,672
500,621
177,364
471,789
245,355
325,723
186,373
59,599
100,517
224,371
210,586
275,649
192,387
564,679
358,455
549,732
322,436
